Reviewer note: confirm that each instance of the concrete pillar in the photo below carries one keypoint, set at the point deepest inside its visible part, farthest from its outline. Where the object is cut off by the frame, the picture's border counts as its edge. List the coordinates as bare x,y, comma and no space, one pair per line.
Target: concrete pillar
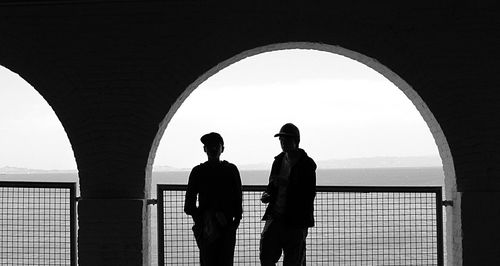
110,232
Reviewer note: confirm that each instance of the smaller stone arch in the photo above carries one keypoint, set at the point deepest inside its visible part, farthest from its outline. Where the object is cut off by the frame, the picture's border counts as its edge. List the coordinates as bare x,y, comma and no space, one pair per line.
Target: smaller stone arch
54,87
30,99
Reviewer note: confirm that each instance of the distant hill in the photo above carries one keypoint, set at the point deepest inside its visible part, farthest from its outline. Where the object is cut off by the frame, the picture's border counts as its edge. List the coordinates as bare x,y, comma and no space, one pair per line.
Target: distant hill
19,170
167,168
382,162
368,162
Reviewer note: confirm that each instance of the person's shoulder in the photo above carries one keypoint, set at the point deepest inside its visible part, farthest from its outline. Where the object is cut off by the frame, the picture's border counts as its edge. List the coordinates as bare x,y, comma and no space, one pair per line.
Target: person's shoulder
277,161
309,160
229,165
279,156
196,172
199,167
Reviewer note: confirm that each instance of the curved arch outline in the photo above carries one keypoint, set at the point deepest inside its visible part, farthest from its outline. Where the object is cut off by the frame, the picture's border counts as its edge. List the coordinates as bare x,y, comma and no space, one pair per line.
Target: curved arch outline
20,55
453,221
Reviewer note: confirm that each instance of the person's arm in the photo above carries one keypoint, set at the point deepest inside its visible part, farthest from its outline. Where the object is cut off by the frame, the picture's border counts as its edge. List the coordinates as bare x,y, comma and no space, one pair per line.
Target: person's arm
311,182
266,195
191,194
268,192
238,198
239,195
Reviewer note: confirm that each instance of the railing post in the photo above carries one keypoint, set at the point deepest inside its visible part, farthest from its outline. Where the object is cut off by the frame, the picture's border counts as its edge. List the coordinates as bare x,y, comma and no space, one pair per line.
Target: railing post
160,225
439,224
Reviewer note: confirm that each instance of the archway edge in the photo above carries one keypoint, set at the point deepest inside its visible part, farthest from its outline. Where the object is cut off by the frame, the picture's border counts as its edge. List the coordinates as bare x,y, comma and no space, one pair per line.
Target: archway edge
23,59
453,222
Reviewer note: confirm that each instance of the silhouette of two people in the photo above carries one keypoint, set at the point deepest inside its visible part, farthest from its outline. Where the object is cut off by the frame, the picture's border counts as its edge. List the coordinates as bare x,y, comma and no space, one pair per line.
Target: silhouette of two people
289,194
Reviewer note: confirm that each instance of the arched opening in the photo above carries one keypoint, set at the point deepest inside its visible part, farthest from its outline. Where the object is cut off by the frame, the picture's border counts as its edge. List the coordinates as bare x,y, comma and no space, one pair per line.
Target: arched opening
38,175
453,219
35,146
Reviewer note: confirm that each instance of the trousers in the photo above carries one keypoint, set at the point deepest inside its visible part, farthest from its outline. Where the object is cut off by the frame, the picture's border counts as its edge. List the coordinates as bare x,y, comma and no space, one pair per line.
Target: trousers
219,251
278,237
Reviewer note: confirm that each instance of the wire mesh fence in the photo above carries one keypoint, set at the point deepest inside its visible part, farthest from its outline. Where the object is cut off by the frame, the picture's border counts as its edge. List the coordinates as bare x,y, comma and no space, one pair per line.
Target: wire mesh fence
37,223
354,226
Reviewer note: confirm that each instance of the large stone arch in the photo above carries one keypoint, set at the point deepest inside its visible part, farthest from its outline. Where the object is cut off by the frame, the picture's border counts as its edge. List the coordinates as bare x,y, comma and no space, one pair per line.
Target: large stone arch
453,226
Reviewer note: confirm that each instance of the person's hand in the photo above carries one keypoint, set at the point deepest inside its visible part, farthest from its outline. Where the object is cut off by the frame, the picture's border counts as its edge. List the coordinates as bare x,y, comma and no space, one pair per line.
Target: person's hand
236,222
266,198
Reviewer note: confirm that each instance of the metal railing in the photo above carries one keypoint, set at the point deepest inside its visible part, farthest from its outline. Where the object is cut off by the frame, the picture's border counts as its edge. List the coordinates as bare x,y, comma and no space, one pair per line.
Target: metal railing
37,223
354,226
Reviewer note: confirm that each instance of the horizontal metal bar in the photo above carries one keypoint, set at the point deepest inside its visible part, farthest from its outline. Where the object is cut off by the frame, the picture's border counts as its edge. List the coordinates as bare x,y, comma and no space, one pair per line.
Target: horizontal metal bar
377,189
447,203
37,184
253,188
151,201
171,187
362,189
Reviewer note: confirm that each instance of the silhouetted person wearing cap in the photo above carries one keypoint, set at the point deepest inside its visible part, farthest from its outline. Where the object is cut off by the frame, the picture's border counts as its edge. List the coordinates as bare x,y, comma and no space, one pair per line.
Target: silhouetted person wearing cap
217,185
290,194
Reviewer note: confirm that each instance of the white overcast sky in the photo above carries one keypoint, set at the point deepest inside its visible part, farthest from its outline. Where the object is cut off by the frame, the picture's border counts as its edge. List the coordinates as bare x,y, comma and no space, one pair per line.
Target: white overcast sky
343,109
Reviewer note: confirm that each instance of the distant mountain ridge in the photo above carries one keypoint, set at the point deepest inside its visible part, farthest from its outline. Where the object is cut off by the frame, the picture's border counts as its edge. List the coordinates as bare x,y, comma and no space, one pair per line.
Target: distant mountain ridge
366,162
19,170
382,162
167,168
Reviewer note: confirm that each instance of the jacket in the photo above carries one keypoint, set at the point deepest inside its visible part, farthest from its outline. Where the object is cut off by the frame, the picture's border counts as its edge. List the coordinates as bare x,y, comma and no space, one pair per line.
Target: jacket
301,191
217,187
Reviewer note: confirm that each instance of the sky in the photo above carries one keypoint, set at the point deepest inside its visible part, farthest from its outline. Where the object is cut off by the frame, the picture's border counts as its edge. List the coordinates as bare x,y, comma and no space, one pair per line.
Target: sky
343,109
31,136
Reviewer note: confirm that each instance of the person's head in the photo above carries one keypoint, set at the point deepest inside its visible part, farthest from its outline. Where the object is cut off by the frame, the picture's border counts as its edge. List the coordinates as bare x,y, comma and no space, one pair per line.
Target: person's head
289,137
213,145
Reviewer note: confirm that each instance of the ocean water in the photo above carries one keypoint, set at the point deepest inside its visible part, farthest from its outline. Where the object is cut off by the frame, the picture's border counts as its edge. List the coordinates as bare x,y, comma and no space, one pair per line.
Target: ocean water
404,176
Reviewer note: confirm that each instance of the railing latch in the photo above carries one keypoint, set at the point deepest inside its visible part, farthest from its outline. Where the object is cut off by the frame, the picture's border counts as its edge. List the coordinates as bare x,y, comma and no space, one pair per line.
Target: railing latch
151,201
447,203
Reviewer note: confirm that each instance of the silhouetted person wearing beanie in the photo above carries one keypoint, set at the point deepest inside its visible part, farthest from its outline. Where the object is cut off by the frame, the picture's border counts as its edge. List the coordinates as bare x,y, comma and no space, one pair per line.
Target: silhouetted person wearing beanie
290,194
217,184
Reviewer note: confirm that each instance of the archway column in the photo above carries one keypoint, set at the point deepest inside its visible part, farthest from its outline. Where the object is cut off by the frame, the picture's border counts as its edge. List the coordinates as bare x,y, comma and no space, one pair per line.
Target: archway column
112,211
110,232
480,219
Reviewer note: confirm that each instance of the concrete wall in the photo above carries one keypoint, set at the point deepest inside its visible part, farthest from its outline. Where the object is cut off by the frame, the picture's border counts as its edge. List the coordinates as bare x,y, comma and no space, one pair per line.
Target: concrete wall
113,70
